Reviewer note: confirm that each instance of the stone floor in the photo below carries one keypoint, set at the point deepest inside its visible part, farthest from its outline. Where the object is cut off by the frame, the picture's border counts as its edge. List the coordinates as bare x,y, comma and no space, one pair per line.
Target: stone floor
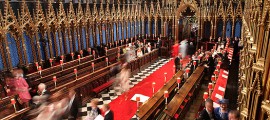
196,104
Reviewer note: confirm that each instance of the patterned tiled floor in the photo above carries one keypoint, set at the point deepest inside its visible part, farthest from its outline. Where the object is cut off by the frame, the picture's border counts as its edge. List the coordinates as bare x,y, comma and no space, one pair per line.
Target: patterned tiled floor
107,97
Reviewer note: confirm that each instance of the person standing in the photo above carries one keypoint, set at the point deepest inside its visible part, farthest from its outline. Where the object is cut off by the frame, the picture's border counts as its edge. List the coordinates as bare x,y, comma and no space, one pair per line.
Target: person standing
108,114
208,112
221,113
18,85
234,115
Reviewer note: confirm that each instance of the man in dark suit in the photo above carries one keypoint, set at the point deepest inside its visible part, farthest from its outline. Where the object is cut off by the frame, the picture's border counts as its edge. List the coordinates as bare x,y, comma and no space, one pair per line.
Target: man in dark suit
108,115
177,63
208,112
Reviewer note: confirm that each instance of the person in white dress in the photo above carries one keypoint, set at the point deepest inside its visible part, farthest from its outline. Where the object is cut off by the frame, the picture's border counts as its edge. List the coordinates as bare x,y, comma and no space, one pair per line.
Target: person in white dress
123,78
139,53
148,47
183,48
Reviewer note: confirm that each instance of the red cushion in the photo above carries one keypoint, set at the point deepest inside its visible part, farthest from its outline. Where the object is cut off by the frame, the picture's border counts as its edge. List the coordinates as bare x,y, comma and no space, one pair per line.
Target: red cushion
103,86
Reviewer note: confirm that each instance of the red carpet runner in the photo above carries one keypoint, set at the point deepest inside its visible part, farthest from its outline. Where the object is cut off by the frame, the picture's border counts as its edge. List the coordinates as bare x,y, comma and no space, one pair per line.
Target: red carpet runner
125,110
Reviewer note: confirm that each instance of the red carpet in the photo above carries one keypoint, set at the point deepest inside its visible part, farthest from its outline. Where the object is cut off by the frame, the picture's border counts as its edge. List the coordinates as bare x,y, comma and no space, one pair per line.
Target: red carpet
125,110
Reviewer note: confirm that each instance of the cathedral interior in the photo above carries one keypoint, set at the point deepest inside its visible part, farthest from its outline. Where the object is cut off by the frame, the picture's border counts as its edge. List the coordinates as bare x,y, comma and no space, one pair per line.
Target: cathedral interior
44,38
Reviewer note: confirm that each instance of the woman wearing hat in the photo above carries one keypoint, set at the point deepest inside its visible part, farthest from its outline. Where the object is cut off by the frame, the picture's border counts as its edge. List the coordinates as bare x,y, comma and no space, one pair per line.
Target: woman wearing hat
221,113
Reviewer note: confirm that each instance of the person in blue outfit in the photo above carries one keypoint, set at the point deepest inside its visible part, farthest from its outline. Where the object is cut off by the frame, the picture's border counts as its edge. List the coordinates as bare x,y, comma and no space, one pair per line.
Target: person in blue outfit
221,113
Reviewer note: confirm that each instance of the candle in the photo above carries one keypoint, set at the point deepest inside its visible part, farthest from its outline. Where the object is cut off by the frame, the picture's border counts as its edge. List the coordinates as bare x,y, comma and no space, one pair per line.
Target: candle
51,60
166,94
187,70
205,95
178,80
54,78
94,52
216,72
194,63
37,64
138,98
79,57
13,102
107,60
153,84
39,68
213,78
61,62
75,71
62,57
93,64
218,67
72,54
210,86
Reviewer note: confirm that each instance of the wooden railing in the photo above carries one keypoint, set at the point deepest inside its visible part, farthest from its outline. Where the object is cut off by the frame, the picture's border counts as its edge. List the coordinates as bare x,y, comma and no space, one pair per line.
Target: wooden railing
180,103
155,104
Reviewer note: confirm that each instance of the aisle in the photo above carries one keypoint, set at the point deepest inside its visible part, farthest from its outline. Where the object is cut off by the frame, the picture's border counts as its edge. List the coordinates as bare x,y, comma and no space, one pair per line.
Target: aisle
126,109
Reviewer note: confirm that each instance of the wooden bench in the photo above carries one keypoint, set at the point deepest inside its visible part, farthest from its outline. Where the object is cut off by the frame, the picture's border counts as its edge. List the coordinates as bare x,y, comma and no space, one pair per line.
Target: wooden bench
83,69
66,65
154,105
7,109
180,103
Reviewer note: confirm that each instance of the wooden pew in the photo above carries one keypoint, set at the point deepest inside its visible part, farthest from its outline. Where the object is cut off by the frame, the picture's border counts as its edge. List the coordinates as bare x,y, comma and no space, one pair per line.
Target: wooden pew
7,110
67,65
83,86
69,72
180,103
152,107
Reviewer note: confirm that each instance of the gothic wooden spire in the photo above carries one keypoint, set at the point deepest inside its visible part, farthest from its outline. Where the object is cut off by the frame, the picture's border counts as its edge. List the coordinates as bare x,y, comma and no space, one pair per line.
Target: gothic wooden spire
230,9
50,16
80,14
61,15
71,14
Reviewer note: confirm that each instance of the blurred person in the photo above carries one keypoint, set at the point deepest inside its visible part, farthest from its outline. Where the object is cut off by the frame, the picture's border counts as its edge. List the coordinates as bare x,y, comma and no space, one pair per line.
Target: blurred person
18,85
183,47
73,104
108,114
123,78
177,62
221,113
61,108
191,49
42,91
148,47
234,115
94,110
46,113
139,53
208,112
